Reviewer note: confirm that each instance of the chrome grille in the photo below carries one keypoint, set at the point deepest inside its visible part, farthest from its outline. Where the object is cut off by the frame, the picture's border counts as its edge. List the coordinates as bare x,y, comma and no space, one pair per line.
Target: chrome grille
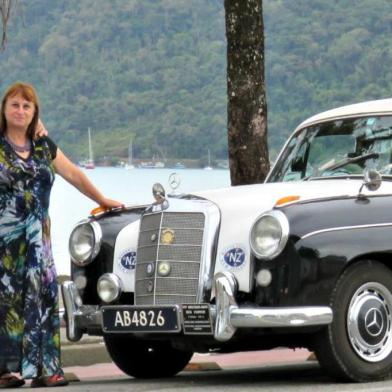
183,253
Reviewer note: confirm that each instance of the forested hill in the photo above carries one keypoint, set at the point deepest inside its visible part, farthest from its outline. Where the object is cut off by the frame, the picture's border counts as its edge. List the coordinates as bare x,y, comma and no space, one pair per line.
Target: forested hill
156,69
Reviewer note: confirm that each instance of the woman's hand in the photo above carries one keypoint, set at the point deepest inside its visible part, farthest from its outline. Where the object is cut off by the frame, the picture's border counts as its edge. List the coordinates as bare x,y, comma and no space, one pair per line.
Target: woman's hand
109,203
40,130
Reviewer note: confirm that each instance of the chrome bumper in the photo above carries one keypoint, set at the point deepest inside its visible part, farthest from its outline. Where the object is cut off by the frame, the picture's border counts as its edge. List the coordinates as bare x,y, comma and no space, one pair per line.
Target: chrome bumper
78,317
227,315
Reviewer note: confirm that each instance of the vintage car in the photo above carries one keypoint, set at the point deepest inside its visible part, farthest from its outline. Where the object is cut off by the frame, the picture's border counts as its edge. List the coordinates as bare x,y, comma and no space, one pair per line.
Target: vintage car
303,260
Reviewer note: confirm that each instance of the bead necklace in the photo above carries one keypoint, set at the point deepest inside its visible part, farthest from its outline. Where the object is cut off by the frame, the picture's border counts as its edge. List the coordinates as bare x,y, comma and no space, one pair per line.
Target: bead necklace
17,148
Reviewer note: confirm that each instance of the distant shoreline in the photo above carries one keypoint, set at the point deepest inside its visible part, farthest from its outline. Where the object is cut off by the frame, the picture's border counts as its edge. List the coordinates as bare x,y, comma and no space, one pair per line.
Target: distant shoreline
167,164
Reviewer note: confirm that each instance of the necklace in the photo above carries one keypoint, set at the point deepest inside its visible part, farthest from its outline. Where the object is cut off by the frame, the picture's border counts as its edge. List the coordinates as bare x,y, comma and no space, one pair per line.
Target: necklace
17,148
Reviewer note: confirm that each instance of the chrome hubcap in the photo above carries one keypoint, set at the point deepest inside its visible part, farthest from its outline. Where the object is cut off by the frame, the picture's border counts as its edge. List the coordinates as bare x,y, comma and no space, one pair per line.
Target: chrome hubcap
369,322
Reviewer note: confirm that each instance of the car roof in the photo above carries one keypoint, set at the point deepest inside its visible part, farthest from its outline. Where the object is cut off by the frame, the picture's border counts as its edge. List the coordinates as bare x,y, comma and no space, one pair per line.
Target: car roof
380,106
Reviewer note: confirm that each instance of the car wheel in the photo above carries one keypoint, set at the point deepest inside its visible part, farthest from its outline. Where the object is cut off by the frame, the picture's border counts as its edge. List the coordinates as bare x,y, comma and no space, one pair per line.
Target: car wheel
357,345
143,359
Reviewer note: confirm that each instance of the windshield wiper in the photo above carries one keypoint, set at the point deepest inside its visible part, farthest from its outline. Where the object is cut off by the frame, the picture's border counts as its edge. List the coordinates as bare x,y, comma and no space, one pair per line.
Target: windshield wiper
346,161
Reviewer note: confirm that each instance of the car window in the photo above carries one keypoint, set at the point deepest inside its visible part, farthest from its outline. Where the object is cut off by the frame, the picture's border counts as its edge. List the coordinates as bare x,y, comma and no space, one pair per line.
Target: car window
337,148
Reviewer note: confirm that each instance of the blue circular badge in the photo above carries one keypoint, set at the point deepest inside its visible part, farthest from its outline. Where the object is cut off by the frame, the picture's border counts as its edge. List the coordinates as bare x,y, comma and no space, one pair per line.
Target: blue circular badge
234,257
128,261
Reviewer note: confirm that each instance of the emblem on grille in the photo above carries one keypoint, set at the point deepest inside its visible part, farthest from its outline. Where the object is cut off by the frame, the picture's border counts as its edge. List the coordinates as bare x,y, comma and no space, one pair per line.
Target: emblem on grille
150,269
164,268
150,286
167,237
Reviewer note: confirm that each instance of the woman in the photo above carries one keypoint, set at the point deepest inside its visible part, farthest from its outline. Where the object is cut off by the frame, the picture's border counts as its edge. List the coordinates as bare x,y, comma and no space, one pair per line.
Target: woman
29,322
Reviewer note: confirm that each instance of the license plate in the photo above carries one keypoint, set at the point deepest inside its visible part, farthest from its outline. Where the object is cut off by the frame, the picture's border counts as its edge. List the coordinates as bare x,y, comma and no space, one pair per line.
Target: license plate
140,319
196,319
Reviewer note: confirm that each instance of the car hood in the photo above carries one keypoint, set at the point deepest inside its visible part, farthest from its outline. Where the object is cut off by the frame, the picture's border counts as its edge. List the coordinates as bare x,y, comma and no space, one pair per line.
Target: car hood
262,197
241,205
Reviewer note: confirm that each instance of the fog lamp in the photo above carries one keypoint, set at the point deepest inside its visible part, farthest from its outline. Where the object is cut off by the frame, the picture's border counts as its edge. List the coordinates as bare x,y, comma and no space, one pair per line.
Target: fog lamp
109,287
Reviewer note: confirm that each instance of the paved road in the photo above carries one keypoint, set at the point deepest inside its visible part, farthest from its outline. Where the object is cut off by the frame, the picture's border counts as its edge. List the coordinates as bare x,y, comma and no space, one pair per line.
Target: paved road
298,377
267,371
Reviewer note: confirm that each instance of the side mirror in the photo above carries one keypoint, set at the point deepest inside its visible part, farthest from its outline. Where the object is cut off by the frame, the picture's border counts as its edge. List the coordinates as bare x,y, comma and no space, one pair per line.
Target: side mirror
159,193
371,180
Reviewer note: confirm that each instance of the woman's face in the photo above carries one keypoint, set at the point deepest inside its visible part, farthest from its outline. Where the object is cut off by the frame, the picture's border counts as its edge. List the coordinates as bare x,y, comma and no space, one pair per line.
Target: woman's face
18,112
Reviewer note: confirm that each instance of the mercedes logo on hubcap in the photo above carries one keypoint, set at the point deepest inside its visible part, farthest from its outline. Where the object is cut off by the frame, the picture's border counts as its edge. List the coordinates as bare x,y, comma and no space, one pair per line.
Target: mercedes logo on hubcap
374,322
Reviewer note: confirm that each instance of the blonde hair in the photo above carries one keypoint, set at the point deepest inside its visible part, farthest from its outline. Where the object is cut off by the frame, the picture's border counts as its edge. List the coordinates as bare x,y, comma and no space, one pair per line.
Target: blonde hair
28,92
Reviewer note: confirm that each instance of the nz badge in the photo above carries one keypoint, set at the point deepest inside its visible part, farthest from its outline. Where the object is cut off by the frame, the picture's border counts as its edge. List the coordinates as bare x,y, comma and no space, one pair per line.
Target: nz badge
233,257
127,260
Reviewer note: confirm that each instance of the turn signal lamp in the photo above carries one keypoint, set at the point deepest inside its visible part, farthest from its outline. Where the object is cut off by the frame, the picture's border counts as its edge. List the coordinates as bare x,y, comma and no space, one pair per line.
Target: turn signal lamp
98,210
286,199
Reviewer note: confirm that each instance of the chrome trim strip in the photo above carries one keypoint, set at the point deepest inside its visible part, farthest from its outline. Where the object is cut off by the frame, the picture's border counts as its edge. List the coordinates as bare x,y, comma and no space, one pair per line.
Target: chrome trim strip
156,258
166,295
168,278
229,316
211,228
175,228
341,228
177,260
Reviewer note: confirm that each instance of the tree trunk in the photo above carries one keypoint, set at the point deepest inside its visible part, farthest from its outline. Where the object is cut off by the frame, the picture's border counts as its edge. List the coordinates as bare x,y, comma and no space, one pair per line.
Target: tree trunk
5,9
247,106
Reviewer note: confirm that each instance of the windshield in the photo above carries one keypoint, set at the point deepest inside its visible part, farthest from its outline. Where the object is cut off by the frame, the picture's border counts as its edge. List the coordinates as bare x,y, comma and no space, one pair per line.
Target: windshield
337,148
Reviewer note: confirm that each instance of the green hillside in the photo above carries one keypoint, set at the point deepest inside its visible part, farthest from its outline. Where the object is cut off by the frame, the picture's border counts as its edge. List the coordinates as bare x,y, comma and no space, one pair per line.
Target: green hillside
155,70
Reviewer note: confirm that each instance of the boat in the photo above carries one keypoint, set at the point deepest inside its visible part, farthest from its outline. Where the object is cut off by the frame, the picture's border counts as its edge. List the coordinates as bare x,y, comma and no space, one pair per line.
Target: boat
223,165
179,165
130,165
152,165
89,164
159,165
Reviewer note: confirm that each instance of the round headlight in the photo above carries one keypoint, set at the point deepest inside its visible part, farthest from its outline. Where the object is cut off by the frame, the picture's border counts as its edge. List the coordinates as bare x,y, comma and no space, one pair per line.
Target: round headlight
269,234
85,242
109,287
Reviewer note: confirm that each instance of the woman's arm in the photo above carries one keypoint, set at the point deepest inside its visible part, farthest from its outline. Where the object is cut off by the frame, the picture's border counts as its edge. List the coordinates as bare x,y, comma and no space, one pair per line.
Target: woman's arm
79,180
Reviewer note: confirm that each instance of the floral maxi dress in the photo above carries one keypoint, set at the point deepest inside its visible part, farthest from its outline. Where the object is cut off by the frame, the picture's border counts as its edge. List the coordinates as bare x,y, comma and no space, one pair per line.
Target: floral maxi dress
29,322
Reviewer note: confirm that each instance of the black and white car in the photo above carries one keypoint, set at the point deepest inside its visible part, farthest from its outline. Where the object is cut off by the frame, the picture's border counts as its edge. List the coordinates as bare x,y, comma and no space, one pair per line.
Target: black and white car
303,260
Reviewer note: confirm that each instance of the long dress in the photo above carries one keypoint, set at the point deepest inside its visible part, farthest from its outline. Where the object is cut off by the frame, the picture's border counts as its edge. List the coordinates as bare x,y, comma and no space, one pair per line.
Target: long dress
29,321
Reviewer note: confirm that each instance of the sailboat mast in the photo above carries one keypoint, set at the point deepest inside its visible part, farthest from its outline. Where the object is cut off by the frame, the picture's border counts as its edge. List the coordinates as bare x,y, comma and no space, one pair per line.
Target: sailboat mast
90,147
130,153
